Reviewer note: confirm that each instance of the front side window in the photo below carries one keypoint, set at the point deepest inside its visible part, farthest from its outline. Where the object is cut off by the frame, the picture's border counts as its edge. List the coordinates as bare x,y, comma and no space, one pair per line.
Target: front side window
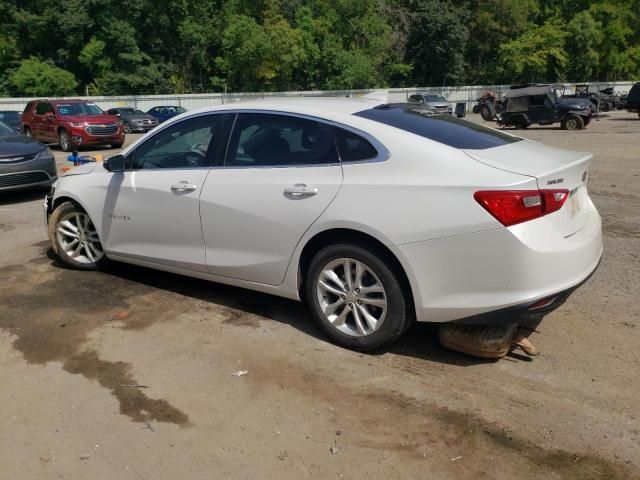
192,143
267,140
353,147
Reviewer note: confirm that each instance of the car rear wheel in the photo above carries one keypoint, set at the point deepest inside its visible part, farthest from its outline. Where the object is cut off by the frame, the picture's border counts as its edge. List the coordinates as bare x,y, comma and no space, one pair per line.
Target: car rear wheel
75,238
27,132
127,127
65,141
572,122
356,297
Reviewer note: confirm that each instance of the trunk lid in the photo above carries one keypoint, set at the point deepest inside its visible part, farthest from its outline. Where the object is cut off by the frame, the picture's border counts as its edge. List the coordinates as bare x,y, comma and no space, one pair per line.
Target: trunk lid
554,169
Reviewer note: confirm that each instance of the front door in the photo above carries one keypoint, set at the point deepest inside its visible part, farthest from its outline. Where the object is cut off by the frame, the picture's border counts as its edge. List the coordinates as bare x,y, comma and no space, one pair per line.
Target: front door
281,172
153,210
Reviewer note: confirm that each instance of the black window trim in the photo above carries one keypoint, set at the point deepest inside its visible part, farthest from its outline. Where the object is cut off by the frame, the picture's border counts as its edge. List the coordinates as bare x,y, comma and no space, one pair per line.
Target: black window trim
130,156
383,152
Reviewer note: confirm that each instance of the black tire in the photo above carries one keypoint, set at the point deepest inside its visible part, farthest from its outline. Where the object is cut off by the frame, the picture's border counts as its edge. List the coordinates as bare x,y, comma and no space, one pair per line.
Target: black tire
65,142
127,127
27,132
586,120
116,145
499,107
397,315
60,214
571,121
521,123
476,109
486,113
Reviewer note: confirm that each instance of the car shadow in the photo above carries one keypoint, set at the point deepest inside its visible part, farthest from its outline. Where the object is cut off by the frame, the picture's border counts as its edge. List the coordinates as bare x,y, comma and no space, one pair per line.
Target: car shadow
419,342
23,196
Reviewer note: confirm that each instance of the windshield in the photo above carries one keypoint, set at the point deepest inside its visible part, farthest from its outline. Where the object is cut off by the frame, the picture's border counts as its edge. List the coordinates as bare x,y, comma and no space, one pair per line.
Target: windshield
131,111
10,117
6,130
79,109
445,129
434,98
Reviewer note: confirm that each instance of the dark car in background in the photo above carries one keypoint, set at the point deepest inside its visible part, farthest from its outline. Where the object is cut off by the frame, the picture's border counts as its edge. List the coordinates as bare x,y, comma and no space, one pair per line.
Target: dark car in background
12,118
71,123
632,102
134,120
24,163
165,112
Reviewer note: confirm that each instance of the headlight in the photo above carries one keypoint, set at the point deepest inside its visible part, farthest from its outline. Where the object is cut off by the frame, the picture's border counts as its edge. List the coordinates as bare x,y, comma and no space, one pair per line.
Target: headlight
77,124
45,154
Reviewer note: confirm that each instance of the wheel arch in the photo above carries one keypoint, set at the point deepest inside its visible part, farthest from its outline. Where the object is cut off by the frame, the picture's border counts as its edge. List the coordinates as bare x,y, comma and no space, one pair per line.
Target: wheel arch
358,238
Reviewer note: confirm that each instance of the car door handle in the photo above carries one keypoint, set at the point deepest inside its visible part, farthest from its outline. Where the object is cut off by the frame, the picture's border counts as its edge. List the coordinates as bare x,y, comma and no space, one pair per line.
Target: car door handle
183,187
301,190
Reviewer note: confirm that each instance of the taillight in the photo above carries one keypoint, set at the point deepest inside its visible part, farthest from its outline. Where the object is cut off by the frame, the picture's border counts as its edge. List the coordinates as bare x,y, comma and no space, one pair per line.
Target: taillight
511,207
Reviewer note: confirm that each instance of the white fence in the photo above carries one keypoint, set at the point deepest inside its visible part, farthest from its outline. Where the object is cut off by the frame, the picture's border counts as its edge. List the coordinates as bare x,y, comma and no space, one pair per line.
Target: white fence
466,94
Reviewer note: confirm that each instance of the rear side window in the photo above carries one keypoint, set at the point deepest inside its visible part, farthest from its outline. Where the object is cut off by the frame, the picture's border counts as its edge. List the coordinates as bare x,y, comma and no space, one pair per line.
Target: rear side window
271,140
445,129
41,108
353,147
28,107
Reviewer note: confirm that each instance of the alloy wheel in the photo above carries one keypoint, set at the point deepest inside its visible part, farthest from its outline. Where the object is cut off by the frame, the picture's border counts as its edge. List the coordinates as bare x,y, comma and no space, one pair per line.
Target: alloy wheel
572,124
78,238
352,297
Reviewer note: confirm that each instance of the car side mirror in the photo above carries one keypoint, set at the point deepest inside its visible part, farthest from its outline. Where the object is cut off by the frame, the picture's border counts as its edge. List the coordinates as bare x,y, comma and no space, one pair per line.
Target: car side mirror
50,114
114,164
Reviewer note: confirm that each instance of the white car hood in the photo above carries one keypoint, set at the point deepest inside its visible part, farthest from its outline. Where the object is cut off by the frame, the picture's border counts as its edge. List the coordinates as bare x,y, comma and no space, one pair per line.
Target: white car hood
82,169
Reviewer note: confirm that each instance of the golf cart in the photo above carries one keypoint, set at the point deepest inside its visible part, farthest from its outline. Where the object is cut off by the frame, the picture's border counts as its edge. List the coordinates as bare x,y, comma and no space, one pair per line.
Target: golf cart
529,104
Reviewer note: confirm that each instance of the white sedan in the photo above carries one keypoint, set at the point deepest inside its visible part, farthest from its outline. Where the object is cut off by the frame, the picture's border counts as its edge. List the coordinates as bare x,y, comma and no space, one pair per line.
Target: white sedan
375,215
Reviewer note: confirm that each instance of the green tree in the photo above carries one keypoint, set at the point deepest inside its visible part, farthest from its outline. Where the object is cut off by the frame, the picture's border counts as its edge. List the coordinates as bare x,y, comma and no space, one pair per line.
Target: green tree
437,39
39,79
538,55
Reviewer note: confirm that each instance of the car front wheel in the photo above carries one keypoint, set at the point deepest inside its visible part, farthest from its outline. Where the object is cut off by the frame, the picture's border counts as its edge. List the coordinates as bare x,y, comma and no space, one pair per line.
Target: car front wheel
75,238
572,122
356,297
65,141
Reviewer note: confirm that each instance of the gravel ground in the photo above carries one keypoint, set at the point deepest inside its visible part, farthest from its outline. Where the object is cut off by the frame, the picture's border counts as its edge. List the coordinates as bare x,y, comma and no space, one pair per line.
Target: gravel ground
127,373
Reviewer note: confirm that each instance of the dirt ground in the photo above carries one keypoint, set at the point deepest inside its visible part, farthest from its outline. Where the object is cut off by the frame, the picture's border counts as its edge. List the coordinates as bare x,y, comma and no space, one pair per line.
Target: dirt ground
127,373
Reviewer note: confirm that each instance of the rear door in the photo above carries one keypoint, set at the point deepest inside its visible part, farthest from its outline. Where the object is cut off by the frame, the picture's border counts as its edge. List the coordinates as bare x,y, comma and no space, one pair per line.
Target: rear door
281,172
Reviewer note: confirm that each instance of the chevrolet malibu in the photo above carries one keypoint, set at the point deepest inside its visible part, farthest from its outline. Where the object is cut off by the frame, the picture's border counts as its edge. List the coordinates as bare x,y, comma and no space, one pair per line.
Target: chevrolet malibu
375,215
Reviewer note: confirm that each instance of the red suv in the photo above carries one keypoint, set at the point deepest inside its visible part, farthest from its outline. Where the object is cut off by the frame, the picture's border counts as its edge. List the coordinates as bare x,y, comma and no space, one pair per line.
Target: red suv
71,123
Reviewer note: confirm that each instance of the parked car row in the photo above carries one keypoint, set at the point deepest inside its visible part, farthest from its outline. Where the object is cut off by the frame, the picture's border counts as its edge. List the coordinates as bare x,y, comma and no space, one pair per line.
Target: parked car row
26,161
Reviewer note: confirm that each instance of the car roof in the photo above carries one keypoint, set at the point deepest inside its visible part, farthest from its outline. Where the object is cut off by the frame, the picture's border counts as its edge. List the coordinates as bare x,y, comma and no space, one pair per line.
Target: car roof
324,107
527,91
58,101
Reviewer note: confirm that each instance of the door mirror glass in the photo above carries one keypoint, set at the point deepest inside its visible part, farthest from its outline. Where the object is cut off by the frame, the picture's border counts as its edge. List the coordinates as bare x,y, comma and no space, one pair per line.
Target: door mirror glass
114,164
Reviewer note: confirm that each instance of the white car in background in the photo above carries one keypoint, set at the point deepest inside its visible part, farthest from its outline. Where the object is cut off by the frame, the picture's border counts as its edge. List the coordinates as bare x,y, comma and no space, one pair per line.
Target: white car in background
374,214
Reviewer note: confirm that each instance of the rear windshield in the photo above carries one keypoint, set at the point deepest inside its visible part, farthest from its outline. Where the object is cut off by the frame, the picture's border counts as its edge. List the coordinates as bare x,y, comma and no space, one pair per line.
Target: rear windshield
445,129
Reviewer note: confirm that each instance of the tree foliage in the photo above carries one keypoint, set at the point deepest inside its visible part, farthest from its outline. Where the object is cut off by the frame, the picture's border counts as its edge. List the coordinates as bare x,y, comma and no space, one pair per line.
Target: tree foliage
181,46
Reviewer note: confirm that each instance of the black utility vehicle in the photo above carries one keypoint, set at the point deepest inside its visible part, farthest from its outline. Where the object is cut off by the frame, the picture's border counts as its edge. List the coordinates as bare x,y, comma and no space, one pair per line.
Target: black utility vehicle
529,104
632,102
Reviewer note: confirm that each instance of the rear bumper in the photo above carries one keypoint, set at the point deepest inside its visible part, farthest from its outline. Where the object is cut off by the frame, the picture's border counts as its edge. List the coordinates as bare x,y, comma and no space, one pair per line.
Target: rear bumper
464,276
